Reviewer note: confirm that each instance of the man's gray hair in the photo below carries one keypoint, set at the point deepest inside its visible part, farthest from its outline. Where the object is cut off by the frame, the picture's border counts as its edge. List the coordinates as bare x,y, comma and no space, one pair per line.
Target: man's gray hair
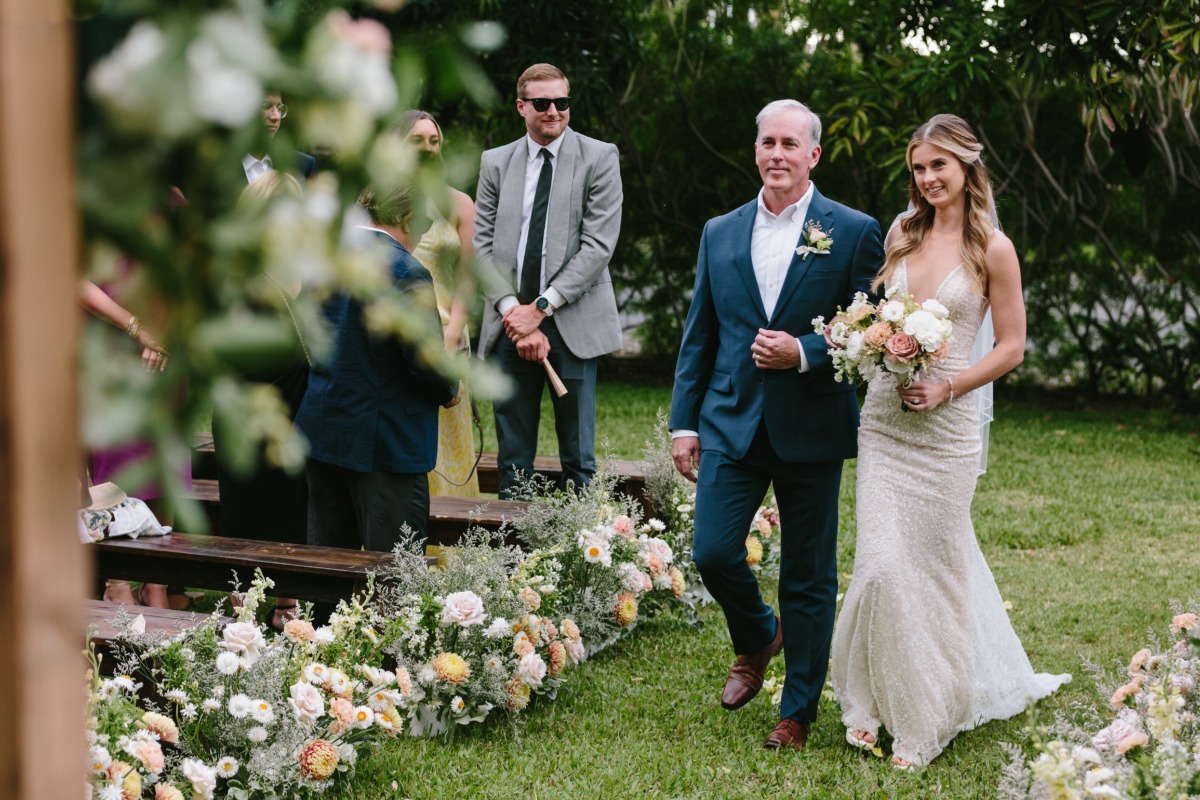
779,106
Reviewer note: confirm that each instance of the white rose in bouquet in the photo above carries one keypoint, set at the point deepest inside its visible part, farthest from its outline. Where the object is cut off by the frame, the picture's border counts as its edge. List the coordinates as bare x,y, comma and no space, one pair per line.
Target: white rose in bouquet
892,311
854,345
937,309
462,608
927,329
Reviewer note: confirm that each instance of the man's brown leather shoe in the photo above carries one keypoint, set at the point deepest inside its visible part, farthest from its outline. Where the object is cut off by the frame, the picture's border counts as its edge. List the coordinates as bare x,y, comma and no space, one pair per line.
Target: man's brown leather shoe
788,733
746,676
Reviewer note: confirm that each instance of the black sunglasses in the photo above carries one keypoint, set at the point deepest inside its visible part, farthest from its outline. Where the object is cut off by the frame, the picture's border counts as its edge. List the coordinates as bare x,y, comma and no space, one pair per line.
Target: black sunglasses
541,104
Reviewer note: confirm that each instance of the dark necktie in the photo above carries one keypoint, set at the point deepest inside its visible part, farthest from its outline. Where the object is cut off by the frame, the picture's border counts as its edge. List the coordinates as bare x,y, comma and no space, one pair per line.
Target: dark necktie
531,266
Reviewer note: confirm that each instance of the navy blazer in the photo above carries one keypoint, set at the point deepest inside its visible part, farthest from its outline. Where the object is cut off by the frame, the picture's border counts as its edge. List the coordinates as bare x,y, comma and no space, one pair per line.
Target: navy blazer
719,392
374,406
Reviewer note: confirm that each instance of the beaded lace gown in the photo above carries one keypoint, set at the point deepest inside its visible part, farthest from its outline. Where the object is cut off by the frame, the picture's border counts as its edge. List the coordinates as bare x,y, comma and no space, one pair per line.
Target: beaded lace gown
923,644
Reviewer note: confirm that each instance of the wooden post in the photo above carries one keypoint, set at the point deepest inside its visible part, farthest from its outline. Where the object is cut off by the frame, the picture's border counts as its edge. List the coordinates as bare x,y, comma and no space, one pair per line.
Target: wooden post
42,565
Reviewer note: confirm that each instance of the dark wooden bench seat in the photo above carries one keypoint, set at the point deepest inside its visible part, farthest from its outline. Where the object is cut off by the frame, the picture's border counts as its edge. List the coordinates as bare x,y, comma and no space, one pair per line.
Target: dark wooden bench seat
630,480
326,574
449,517
165,621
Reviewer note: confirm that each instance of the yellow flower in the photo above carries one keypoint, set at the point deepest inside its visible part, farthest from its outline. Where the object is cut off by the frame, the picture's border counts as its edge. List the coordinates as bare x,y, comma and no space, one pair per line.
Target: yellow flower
754,550
451,667
319,760
626,610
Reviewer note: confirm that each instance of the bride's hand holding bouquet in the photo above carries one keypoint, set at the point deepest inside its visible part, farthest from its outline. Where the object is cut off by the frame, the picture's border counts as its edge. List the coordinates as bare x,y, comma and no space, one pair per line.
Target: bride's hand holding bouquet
897,336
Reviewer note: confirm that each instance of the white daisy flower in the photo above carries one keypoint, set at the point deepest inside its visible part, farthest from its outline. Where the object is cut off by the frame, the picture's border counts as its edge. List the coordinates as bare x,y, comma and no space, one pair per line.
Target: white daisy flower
99,759
177,696
227,767
323,635
111,791
240,706
364,717
338,682
228,663
316,674
210,705
262,712
188,711
498,628
257,734
458,705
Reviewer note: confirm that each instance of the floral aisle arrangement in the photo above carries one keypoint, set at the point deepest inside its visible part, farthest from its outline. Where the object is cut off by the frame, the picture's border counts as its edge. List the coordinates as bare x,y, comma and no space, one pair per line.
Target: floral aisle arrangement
898,337
1150,747
241,712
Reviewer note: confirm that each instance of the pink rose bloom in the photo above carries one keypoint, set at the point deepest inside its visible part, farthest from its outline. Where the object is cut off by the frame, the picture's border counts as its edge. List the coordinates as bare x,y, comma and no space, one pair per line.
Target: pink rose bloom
654,564
342,711
661,549
245,639
306,702
299,630
365,34
150,754
531,669
1183,622
463,608
623,525
877,334
902,348
1111,737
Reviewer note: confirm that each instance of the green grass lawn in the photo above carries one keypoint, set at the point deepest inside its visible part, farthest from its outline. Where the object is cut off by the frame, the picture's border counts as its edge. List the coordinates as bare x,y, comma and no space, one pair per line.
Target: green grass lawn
1090,520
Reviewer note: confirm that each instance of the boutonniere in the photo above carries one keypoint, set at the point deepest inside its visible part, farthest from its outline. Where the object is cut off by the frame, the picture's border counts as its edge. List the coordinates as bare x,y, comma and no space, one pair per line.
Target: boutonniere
817,241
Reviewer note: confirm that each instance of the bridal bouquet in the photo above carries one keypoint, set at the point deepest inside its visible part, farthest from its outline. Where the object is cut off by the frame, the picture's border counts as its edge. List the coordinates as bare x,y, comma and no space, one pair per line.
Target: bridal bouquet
898,337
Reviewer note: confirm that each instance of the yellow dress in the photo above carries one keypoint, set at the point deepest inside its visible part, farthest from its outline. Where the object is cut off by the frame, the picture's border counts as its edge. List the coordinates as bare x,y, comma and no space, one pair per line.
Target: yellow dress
454,476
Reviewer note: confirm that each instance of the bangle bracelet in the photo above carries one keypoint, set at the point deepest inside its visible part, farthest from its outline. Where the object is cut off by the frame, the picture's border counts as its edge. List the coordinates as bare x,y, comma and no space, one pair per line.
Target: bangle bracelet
951,382
134,327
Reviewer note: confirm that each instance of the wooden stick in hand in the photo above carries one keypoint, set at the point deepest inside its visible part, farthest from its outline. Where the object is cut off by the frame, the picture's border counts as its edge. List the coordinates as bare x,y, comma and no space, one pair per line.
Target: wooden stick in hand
556,382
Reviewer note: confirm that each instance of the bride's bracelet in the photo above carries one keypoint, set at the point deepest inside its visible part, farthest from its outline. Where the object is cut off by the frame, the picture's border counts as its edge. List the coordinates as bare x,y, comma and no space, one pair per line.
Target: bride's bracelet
951,382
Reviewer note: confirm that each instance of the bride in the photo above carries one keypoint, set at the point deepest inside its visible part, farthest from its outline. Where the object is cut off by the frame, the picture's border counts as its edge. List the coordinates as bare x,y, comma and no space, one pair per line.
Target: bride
923,645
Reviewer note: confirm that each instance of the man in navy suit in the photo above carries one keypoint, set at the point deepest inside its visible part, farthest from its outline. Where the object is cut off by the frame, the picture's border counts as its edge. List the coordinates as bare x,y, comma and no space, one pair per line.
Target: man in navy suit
273,112
755,403
371,413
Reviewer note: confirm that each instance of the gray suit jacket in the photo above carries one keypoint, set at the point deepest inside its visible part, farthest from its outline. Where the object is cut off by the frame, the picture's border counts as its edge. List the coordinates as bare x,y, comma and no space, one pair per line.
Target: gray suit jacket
582,225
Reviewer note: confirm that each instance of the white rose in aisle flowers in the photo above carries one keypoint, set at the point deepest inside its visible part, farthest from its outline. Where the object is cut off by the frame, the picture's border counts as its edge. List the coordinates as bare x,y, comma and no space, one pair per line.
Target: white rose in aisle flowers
531,670
892,311
927,329
306,702
245,639
462,608
202,777
937,309
661,549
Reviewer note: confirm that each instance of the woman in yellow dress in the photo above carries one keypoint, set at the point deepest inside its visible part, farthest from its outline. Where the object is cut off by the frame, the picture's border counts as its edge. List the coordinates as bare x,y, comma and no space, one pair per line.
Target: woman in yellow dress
446,251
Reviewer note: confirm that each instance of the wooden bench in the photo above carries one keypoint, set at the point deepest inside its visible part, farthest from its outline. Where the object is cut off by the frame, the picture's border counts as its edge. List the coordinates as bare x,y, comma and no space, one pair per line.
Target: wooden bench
631,480
449,517
165,621
326,574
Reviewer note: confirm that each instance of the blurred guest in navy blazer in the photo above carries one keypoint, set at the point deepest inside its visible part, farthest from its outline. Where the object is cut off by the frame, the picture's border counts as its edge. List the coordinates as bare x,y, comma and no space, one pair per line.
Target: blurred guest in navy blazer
371,413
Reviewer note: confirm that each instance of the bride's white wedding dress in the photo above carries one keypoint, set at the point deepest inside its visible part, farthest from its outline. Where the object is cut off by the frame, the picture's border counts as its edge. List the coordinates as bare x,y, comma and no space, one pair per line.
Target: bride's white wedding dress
923,644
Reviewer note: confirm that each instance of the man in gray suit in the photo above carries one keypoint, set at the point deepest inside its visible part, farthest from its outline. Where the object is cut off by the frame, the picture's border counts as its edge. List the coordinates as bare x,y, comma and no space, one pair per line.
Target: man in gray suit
547,216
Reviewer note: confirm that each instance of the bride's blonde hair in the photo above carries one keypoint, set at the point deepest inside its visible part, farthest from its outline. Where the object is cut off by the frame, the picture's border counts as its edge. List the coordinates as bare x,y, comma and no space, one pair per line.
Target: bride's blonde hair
954,135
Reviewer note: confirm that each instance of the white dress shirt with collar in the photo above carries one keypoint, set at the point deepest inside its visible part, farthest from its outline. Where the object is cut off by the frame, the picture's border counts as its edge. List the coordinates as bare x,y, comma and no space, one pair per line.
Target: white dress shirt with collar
772,245
533,171
255,168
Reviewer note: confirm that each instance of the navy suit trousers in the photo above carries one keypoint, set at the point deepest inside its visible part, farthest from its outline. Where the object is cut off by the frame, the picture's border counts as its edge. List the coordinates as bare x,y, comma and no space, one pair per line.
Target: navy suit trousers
728,493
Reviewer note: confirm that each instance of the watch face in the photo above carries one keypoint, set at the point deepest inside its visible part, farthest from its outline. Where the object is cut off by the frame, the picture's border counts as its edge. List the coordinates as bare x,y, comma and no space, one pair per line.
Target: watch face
542,304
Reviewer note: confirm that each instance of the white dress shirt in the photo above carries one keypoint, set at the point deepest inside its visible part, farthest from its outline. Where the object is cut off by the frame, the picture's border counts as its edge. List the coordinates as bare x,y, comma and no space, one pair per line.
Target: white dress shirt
773,242
533,171
256,168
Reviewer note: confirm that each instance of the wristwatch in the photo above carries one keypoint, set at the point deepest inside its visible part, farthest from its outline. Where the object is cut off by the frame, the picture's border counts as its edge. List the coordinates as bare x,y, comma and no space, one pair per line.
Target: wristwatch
543,305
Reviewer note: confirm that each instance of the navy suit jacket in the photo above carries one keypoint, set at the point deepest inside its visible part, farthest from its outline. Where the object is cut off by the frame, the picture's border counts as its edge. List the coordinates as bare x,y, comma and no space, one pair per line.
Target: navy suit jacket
719,392
374,406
